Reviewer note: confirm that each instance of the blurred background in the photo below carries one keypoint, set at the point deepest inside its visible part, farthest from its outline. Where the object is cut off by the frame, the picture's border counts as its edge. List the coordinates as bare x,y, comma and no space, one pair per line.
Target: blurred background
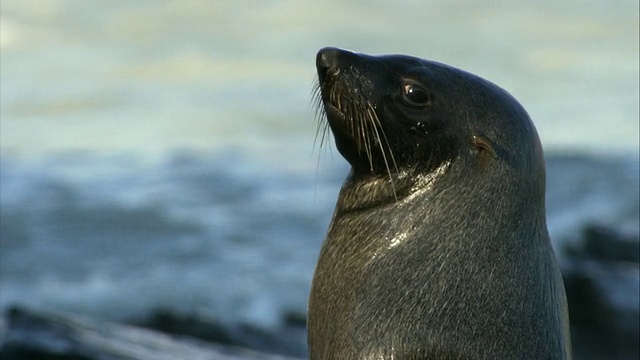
159,155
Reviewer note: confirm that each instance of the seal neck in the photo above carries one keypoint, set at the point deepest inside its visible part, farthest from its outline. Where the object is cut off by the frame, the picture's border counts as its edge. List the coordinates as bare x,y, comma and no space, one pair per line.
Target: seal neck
366,191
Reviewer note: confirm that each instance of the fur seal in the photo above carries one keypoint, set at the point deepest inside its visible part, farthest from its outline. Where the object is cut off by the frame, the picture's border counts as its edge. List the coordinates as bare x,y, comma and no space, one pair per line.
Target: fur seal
438,247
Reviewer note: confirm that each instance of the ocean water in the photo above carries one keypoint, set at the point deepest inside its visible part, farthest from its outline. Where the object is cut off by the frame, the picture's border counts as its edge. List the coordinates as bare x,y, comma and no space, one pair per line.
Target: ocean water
161,153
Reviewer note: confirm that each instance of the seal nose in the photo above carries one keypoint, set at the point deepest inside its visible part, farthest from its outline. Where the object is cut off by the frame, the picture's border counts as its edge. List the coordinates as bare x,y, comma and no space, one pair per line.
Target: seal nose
326,59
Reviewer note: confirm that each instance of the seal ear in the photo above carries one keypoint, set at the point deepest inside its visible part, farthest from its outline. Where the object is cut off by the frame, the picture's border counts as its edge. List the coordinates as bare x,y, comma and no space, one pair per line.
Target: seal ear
484,148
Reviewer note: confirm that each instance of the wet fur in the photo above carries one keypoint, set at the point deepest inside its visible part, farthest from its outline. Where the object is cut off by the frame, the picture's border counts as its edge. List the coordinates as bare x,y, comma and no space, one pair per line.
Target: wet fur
438,247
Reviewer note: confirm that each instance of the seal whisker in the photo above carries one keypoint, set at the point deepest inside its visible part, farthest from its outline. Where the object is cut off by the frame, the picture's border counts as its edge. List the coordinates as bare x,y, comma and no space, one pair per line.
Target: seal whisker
316,103
367,140
321,137
321,131
360,132
355,129
322,128
374,120
316,99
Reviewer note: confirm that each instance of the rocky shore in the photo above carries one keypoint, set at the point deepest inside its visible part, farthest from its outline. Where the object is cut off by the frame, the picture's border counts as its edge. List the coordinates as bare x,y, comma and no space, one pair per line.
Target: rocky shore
31,335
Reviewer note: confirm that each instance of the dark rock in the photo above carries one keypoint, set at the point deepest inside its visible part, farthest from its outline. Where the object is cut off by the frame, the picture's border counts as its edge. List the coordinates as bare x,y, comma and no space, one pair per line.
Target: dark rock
602,281
595,332
295,318
34,335
289,340
605,244
199,327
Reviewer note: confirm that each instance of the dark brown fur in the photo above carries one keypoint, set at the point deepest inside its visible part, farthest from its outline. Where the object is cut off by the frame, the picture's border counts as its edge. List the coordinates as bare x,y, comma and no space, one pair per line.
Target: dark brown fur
438,247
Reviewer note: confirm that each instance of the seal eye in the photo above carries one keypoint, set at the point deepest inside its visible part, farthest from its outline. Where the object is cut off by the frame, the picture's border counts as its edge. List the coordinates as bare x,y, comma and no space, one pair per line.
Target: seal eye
415,94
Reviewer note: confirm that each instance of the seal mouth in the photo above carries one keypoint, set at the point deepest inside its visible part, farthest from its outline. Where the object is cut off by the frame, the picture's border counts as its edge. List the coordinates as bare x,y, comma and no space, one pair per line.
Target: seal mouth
334,115
338,121
357,130
343,99
339,104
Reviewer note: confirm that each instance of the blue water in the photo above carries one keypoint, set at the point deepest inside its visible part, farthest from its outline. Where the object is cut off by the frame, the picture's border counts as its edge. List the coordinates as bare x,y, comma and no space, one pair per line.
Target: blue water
160,154
221,234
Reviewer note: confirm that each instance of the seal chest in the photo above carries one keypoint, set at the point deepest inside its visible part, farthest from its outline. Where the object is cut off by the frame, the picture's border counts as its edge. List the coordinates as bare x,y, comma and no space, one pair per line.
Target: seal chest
438,247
